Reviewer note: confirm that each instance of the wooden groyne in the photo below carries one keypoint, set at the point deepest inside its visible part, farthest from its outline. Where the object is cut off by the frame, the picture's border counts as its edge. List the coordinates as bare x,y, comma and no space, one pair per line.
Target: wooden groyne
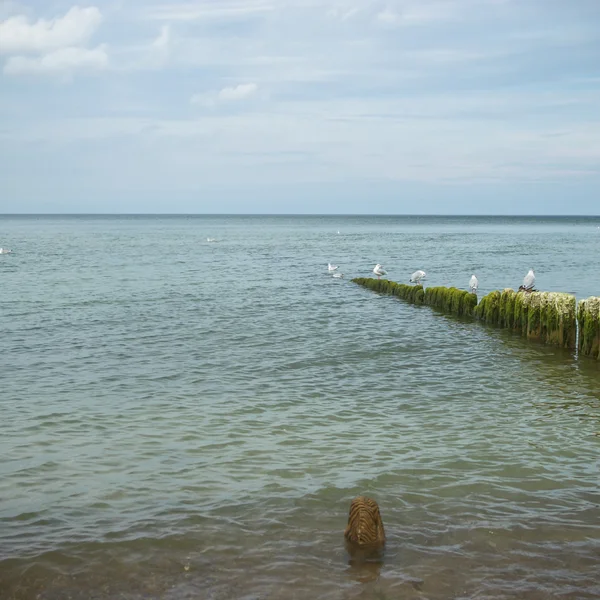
549,317
449,300
411,293
545,316
588,317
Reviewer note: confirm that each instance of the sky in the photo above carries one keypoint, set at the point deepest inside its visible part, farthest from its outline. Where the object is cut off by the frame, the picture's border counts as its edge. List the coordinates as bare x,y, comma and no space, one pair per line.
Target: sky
300,106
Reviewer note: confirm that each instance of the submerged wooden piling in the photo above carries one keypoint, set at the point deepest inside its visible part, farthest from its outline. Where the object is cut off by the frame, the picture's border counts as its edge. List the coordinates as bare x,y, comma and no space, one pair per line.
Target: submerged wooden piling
588,316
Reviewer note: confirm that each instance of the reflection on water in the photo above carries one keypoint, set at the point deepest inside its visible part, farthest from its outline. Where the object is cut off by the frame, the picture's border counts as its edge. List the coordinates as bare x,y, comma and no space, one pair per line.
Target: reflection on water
364,564
173,431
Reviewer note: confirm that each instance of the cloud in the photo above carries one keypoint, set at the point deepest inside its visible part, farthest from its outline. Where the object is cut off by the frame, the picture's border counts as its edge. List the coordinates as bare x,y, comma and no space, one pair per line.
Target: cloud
164,38
161,46
19,36
236,93
239,92
58,61
431,90
208,9
418,13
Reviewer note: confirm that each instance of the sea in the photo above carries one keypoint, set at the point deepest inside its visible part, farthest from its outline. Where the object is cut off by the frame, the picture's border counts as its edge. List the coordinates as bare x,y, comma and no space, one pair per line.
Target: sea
190,419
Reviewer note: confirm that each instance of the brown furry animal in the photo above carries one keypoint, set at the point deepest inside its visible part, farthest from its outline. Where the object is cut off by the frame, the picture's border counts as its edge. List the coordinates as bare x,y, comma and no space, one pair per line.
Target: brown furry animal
365,527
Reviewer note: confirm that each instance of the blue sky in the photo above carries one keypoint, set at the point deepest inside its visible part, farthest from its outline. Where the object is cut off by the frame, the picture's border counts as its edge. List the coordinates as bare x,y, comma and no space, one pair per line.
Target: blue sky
289,106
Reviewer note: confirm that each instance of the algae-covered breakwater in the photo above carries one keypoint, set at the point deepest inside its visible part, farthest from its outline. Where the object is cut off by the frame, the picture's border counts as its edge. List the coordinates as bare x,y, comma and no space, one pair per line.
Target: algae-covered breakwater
588,316
546,316
411,293
449,300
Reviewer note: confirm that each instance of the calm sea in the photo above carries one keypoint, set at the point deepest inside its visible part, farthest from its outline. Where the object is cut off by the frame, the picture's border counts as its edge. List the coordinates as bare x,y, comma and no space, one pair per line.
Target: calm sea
190,419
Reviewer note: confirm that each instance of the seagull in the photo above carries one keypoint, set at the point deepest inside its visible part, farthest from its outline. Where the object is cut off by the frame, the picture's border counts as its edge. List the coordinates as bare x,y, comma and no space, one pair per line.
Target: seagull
418,276
473,284
5,251
379,271
338,275
211,239
528,282
331,267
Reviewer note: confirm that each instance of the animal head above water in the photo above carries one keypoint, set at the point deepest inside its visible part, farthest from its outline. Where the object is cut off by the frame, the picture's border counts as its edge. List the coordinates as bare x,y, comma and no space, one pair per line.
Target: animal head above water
365,527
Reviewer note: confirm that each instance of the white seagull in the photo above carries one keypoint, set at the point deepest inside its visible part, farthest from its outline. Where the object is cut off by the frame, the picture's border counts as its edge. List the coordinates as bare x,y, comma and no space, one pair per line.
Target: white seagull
331,267
418,276
379,271
473,284
528,282
5,251
338,275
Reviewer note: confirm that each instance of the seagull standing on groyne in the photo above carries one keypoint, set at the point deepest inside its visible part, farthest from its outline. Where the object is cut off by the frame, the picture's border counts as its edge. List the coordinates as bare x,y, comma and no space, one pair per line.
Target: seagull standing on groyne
528,282
473,284
418,276
379,271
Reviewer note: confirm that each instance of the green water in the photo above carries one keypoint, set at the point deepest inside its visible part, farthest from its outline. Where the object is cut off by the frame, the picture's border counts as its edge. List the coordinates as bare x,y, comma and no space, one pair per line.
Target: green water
184,419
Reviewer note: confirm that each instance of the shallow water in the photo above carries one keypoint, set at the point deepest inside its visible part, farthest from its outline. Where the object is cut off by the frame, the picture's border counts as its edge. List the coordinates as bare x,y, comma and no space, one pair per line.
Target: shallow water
183,419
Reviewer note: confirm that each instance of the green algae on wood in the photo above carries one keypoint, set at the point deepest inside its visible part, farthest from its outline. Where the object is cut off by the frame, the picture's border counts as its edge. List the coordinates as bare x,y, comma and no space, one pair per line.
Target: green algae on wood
507,308
588,316
488,309
410,293
545,316
451,300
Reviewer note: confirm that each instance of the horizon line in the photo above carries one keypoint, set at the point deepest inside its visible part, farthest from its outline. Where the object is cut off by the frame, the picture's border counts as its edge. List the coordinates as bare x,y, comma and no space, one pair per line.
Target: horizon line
413,215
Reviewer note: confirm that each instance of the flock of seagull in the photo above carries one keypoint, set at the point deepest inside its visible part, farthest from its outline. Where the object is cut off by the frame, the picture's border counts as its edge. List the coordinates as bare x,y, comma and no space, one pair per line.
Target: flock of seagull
419,276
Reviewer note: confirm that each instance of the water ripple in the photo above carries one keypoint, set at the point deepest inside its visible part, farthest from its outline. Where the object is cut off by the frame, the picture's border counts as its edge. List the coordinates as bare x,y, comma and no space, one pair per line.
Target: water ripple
173,430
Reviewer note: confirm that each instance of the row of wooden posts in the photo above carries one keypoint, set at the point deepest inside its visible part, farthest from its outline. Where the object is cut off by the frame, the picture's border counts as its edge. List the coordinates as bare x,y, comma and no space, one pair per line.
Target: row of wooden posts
550,317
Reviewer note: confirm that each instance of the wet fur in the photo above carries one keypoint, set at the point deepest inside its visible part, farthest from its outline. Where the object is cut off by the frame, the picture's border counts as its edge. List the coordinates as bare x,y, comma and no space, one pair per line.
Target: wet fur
365,527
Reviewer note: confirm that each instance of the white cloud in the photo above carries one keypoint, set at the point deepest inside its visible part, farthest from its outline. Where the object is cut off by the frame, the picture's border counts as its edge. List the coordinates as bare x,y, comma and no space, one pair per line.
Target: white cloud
226,95
161,46
164,38
208,9
416,13
18,35
58,61
239,92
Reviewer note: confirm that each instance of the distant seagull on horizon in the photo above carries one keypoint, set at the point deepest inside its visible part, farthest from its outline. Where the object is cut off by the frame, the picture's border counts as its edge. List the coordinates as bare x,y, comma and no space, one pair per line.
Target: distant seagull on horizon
528,282
331,267
211,240
418,276
473,284
379,271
